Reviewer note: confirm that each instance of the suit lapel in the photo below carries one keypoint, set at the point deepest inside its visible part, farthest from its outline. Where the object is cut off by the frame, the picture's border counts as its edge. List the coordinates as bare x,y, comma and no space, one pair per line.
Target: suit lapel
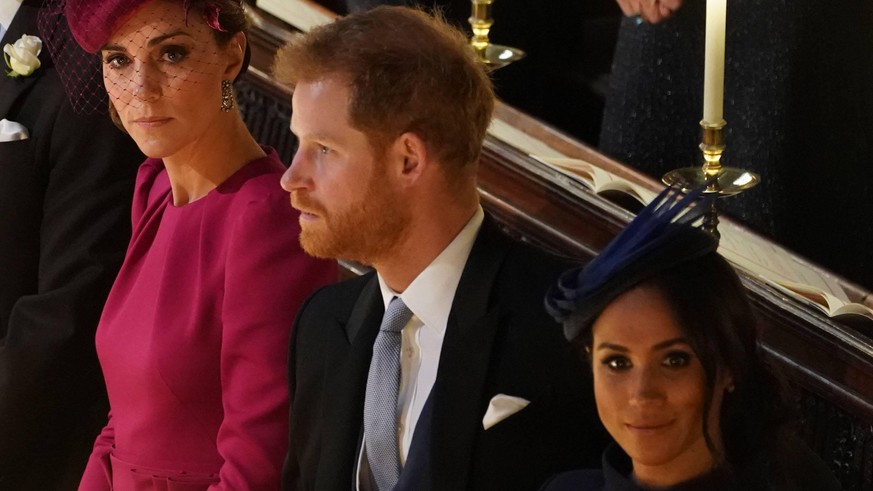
458,405
346,386
13,88
459,388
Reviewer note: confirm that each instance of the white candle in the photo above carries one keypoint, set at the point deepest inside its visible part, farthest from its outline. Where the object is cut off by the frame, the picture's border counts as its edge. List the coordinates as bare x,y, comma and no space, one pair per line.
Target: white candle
713,74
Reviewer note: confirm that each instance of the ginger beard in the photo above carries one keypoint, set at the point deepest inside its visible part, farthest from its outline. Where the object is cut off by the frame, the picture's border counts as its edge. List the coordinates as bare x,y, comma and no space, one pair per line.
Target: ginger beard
366,230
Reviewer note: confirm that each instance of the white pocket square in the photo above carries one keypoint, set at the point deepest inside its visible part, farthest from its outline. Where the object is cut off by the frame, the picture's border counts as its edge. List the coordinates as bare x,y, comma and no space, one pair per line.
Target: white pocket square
501,407
11,131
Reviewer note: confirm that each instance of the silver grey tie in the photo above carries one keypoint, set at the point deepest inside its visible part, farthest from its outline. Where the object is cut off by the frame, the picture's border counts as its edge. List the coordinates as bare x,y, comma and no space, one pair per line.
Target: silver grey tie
380,403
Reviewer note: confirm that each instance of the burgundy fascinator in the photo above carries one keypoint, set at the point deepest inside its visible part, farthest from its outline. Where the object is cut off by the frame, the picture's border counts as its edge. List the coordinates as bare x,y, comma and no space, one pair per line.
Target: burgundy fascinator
93,21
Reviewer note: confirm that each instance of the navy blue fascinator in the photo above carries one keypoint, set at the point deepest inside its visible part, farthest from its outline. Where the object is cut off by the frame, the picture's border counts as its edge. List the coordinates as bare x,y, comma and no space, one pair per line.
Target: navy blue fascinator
661,236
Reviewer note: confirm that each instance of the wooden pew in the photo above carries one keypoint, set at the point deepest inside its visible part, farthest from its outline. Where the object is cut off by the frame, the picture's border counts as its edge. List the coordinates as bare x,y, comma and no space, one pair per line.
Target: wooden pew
829,364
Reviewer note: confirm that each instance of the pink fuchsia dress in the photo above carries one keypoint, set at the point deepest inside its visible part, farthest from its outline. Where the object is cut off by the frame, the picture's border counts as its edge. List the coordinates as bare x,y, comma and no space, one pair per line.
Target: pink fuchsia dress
193,340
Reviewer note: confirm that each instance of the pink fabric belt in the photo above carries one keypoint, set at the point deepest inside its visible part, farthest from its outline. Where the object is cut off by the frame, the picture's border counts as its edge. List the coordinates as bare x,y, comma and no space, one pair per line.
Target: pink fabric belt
132,477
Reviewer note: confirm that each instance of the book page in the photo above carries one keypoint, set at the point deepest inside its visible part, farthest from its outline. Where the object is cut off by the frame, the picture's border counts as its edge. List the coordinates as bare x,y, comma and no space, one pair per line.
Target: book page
856,309
824,301
776,265
587,174
532,146
827,303
302,15
604,181
599,179
578,170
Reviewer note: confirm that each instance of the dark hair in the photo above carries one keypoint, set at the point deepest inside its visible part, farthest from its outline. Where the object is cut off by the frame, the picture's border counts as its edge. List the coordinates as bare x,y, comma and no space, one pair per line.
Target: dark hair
711,307
408,71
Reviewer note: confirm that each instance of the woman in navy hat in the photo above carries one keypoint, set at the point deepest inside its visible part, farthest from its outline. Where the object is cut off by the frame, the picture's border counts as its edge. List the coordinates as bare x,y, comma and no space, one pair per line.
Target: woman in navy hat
678,378
193,338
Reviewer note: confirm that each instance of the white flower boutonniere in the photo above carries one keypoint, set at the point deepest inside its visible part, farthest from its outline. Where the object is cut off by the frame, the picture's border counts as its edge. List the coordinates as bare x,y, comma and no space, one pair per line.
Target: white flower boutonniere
22,58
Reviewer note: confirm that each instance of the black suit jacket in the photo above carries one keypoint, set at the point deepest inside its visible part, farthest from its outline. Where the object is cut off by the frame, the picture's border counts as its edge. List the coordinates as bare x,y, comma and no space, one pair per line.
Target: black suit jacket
498,340
64,224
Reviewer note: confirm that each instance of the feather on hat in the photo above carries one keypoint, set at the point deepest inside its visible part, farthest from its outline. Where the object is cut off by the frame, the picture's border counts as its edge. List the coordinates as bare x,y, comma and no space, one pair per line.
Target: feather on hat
661,236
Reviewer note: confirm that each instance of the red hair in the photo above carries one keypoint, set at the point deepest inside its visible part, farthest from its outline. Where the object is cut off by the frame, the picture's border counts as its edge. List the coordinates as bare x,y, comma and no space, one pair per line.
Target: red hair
408,72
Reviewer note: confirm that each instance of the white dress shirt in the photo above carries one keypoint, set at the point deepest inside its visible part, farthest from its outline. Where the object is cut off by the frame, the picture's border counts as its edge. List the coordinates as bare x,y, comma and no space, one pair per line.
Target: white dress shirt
429,297
8,9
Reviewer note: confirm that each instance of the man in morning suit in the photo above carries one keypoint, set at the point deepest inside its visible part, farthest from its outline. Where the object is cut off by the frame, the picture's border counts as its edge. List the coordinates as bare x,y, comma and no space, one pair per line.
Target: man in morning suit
65,187
440,370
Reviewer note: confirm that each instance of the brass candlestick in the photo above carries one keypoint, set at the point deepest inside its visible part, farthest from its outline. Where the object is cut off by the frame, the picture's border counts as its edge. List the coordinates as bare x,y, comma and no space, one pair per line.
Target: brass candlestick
493,55
724,181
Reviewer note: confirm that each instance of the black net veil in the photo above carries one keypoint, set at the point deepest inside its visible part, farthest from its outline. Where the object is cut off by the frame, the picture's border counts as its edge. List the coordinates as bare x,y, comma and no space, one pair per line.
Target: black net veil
80,72
130,52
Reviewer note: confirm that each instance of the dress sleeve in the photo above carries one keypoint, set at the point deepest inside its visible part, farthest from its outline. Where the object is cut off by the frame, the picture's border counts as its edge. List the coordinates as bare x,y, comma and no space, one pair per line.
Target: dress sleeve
268,277
98,472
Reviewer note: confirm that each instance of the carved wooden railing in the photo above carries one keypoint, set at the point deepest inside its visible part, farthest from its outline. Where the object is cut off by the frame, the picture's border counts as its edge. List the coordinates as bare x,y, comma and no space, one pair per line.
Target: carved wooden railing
829,364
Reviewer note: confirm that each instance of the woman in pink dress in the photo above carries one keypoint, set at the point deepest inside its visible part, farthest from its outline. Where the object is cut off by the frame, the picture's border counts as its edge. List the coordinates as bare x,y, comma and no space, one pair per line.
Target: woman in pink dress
193,339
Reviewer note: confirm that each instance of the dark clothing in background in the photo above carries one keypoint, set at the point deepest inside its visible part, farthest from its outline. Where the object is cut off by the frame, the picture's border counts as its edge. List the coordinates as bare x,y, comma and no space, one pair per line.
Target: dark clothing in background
568,44
64,224
805,473
799,112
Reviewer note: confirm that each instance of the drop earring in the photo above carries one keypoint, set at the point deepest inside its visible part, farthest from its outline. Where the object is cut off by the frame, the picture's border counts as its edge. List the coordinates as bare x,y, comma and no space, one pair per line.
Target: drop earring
226,96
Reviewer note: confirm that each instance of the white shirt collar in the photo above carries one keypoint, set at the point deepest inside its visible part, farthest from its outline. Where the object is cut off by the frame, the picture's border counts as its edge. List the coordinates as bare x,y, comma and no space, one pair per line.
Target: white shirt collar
431,293
8,9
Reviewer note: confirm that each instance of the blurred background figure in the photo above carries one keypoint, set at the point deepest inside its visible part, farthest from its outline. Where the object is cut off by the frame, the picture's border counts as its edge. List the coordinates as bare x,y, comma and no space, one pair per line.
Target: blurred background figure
568,45
678,378
798,100
193,339
798,106
66,182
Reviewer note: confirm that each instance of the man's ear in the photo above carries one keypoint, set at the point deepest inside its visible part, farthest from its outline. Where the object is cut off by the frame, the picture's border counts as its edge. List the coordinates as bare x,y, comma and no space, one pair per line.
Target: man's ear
411,156
236,52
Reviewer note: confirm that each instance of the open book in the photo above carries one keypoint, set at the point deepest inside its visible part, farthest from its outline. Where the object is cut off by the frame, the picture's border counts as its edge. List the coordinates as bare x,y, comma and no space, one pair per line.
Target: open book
303,15
790,274
599,181
759,257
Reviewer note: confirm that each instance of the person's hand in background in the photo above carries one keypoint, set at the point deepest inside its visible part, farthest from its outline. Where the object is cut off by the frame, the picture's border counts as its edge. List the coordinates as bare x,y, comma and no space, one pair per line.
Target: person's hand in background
651,11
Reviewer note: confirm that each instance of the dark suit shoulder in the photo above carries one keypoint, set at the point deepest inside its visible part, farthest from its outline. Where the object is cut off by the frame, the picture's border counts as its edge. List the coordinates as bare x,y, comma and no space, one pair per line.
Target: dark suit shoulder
529,358
330,305
338,299
537,261
526,275
522,259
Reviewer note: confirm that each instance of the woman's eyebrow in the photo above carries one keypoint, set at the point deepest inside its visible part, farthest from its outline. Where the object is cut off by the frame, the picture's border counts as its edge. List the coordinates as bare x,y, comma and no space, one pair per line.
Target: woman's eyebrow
159,39
612,347
668,343
660,346
113,47
153,41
